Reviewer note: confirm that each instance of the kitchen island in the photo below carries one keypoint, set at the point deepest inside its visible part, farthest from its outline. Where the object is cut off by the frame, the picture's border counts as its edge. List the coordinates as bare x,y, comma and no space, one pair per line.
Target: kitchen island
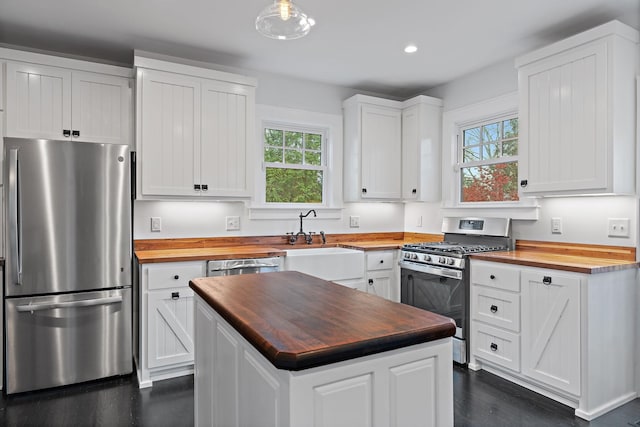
287,349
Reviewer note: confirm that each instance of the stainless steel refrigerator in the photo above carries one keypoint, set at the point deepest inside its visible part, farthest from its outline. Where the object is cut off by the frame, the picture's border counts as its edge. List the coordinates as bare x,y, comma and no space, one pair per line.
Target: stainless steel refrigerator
67,291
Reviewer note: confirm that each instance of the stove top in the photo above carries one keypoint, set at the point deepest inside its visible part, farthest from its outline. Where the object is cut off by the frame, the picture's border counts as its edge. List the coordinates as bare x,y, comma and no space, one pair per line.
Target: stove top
452,248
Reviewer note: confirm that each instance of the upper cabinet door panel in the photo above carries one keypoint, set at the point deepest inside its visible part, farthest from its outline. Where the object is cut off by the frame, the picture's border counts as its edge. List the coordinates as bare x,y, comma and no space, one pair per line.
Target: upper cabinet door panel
170,134
38,101
381,136
410,152
227,117
101,108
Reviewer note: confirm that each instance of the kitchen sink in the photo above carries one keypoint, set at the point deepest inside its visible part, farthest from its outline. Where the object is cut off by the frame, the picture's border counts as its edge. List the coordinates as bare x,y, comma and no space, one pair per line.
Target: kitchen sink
326,263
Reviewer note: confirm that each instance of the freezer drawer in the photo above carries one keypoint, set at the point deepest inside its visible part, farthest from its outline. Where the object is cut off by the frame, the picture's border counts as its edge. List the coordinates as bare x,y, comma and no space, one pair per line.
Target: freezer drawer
65,339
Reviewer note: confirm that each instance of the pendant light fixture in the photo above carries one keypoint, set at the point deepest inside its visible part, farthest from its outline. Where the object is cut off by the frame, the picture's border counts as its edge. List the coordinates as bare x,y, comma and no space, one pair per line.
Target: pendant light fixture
283,20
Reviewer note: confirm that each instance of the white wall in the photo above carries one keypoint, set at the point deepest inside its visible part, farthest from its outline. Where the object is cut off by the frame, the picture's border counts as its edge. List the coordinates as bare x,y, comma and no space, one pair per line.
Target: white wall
207,219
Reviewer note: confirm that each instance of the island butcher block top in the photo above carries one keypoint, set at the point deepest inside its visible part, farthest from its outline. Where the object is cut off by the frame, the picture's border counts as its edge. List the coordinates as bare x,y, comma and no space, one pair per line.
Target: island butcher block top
298,321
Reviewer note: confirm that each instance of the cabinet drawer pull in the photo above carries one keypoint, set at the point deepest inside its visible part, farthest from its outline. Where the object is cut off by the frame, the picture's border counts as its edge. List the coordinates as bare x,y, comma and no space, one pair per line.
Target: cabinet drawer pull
494,346
175,295
524,183
176,277
75,133
66,133
492,277
494,308
381,261
196,187
546,280
205,187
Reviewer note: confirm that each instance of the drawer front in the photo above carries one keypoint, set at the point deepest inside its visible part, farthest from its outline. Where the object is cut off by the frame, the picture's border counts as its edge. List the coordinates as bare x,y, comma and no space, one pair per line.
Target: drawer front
379,261
496,307
173,275
495,276
496,345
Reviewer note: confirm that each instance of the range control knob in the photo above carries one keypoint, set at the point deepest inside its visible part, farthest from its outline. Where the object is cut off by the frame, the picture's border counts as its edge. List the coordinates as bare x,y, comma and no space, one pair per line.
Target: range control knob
414,256
406,255
441,260
427,258
450,261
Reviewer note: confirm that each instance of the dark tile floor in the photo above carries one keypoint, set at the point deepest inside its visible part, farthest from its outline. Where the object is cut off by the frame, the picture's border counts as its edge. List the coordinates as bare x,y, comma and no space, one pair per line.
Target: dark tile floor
481,399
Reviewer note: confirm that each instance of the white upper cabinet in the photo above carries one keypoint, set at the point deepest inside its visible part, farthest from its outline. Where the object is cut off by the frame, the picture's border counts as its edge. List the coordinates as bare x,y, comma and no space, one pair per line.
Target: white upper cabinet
392,149
372,149
195,131
577,118
421,140
169,125
59,103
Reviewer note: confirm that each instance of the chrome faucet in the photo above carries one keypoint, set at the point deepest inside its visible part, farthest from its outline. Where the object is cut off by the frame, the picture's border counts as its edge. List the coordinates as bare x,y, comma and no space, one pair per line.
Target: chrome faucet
308,237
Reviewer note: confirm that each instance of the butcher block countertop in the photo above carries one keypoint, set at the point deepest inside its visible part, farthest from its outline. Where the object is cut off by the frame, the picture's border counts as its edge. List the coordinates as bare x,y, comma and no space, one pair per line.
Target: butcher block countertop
199,254
588,259
298,321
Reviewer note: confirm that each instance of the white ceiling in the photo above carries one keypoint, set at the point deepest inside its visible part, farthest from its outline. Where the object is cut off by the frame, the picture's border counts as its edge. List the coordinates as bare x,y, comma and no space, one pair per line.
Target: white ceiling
355,43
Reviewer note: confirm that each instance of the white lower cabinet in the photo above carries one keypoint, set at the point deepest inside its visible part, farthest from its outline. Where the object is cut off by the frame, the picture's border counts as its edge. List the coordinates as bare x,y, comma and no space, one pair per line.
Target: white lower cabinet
381,274
236,386
166,345
562,334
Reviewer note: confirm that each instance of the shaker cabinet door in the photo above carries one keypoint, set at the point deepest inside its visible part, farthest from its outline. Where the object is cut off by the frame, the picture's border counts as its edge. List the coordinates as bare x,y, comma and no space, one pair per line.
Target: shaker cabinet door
38,101
170,134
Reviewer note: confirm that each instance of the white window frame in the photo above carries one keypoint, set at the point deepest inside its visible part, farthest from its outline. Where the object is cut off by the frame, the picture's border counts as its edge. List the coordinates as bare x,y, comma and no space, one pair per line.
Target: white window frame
291,127
454,121
331,208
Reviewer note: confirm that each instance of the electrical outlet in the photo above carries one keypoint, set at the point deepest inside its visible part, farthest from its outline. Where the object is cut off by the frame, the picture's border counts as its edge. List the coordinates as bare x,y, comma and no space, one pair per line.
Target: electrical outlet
419,223
156,223
556,225
233,223
354,221
618,227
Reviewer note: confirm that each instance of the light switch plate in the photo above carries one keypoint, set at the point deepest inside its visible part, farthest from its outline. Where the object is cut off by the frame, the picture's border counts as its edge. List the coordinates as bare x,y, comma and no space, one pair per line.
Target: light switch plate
354,221
618,227
233,223
556,225
156,223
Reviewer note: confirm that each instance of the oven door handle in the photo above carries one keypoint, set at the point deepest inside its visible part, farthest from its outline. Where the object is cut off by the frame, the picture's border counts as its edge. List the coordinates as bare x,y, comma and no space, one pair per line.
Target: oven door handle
429,269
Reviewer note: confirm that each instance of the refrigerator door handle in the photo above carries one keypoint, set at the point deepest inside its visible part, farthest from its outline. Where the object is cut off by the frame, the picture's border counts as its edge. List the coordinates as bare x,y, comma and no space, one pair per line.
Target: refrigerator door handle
14,218
72,304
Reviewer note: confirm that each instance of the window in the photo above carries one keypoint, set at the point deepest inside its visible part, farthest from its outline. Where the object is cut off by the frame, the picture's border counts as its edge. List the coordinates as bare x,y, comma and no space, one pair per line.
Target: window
294,164
488,159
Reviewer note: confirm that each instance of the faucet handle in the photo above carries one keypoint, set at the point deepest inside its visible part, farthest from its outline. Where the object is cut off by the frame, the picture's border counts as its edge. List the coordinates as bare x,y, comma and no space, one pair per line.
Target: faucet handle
309,237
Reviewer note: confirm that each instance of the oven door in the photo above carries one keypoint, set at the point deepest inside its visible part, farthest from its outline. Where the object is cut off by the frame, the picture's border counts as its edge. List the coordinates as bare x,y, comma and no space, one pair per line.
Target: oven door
440,290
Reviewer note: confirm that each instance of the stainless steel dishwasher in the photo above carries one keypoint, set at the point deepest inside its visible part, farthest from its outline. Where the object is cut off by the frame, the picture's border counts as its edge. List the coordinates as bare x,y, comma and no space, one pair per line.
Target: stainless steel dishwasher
230,267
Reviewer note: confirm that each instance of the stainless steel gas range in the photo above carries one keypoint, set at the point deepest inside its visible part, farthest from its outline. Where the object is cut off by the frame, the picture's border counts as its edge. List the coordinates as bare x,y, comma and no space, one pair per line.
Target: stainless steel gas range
435,275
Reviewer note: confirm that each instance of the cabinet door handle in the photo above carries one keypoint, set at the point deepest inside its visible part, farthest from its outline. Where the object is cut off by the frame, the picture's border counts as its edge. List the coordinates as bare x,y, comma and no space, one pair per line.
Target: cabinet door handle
524,183
414,191
66,133
205,187
546,280
175,295
364,191
494,346
494,309
370,282
492,277
176,277
196,187
75,133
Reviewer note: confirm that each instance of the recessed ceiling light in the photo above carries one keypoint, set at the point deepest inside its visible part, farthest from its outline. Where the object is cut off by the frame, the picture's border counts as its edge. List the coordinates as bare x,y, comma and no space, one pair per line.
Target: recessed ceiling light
411,48
311,21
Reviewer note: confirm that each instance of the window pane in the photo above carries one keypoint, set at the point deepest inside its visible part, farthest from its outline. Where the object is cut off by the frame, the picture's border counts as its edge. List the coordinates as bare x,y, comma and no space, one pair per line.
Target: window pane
312,158
471,136
293,186
293,157
510,128
273,155
491,132
490,151
492,183
273,137
510,148
471,154
293,139
313,141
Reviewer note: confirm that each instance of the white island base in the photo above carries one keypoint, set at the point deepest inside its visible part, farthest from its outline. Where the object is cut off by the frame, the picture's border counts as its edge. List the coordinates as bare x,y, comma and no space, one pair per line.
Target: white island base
236,386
